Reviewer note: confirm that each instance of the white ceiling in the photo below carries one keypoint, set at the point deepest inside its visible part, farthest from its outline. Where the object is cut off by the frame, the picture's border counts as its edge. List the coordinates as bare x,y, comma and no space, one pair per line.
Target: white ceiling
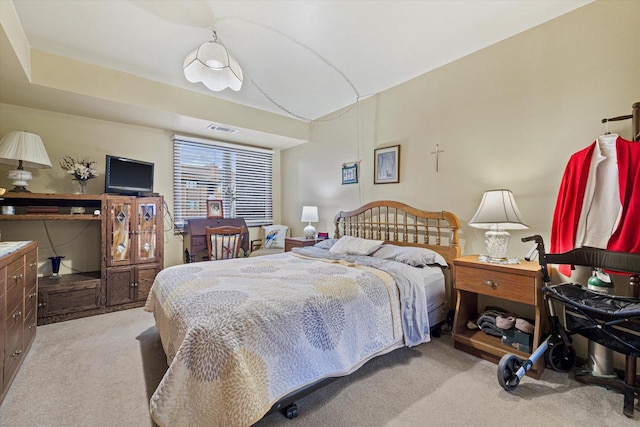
311,57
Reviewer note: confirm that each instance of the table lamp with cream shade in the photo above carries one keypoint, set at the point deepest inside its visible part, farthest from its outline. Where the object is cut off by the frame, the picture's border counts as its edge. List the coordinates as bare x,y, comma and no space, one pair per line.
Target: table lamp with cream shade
309,214
497,213
23,149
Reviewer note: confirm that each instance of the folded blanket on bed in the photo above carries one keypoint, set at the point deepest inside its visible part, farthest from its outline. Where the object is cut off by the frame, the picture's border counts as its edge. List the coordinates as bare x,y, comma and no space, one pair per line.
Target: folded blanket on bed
413,301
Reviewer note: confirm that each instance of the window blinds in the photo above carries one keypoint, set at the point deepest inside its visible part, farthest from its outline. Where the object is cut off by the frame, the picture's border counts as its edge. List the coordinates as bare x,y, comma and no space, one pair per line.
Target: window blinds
239,176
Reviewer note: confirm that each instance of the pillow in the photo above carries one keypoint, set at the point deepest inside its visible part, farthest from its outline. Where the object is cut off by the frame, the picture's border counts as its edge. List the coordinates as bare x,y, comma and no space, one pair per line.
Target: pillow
414,256
326,243
274,236
349,245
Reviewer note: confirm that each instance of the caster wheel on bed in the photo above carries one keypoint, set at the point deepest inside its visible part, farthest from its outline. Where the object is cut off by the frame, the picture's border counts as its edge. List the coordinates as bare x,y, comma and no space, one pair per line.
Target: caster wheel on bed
561,358
436,331
507,368
290,411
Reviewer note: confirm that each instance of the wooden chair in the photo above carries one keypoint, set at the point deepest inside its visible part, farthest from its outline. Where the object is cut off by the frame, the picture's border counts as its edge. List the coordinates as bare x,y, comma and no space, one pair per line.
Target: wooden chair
223,242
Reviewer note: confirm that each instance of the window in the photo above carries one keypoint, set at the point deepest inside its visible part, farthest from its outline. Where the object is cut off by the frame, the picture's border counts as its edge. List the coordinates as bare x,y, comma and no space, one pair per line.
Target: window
239,176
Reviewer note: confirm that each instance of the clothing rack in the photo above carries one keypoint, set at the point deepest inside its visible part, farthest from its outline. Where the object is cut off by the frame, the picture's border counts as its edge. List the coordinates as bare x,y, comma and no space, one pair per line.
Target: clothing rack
635,122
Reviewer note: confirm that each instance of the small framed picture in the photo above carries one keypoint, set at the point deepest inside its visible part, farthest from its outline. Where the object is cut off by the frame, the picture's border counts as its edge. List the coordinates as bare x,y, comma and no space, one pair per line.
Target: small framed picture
214,208
350,174
386,165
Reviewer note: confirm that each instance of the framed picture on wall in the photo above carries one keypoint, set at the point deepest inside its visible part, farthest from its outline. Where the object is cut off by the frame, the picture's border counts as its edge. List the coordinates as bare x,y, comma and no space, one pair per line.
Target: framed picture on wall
350,174
386,165
214,208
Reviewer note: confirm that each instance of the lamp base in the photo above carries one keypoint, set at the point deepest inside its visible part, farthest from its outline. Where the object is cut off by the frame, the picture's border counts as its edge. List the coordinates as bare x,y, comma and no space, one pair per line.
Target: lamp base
20,179
19,189
310,232
497,241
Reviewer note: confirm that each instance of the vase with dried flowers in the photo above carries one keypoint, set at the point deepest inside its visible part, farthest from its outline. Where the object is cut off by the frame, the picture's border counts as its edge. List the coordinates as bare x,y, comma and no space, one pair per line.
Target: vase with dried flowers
82,170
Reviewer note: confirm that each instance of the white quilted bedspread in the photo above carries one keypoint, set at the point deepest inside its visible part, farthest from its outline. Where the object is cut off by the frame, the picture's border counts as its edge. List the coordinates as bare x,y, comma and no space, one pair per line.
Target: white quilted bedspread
241,334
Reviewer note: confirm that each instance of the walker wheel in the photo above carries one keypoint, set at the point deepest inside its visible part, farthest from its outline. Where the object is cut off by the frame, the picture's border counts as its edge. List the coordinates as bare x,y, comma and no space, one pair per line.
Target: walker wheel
561,357
507,368
290,411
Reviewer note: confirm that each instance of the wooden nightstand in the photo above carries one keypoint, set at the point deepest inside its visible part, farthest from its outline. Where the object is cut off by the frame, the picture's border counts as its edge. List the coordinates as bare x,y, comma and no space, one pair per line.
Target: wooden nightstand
299,242
514,282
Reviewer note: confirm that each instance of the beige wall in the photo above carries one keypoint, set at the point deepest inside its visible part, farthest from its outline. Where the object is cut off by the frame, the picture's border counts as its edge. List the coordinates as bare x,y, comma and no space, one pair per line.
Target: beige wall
508,116
80,137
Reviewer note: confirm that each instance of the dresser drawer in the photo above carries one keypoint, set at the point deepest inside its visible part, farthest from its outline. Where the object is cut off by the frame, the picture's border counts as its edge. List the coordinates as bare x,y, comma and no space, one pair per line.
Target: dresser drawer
29,329
2,387
3,282
2,317
14,298
30,300
15,274
31,268
13,355
513,287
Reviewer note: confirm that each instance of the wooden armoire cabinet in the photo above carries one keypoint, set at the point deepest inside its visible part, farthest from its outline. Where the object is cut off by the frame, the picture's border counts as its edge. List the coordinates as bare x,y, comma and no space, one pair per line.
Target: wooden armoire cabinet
131,252
134,244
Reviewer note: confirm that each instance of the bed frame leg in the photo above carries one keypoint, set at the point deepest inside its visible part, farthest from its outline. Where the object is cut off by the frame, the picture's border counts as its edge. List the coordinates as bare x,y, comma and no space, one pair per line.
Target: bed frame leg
290,411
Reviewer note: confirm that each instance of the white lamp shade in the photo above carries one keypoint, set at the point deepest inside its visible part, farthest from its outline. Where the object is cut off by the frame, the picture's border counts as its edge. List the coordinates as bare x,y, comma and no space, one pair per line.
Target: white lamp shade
309,214
212,65
25,146
498,209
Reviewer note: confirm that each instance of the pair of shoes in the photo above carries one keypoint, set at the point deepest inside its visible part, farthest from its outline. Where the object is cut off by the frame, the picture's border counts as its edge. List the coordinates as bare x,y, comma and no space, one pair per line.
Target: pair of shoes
524,325
509,321
506,321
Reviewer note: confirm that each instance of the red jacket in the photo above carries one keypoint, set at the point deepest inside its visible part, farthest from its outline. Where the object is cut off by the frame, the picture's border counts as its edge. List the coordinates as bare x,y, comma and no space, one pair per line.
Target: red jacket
626,237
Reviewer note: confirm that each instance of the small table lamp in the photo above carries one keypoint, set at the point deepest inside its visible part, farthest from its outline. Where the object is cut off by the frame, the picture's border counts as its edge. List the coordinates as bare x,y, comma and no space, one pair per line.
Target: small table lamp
497,212
23,149
309,214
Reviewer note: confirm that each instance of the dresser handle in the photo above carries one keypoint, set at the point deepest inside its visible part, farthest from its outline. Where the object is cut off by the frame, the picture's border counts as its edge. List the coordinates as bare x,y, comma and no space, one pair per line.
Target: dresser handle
18,314
490,283
31,326
31,295
16,353
41,304
17,277
33,264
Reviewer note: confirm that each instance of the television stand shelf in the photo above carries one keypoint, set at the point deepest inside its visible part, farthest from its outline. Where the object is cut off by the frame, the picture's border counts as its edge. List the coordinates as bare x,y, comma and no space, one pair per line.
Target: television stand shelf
30,206
131,251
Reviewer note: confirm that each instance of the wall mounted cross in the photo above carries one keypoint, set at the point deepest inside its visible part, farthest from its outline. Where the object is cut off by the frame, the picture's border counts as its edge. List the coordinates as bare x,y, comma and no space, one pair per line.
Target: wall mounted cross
437,153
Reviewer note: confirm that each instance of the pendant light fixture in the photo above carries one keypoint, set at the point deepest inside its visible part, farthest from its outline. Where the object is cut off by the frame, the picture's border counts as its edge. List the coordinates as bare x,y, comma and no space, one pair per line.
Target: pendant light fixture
212,65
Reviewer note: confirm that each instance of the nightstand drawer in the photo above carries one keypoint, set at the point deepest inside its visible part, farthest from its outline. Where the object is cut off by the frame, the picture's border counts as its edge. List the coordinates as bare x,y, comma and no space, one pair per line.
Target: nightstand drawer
497,284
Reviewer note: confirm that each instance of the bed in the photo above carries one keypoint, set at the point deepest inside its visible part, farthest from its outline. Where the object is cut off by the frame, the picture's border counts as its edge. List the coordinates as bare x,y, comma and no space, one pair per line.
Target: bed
245,336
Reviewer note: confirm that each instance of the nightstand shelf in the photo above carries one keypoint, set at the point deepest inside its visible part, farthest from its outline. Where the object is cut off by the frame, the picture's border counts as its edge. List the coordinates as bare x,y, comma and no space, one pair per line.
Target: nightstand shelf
518,283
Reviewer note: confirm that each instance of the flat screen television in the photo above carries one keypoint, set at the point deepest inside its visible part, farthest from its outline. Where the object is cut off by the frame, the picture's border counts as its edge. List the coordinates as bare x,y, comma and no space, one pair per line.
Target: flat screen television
128,176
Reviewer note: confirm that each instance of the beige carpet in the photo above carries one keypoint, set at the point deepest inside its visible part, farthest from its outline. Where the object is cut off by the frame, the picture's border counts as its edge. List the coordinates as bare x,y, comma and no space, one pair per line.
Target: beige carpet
101,371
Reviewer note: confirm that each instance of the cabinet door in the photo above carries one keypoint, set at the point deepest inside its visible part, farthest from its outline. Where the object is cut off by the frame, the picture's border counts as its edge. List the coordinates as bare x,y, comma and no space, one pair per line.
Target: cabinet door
120,285
148,230
68,298
120,232
144,279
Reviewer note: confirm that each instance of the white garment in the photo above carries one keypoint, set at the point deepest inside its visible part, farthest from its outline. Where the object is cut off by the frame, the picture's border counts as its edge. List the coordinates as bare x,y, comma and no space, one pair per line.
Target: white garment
601,207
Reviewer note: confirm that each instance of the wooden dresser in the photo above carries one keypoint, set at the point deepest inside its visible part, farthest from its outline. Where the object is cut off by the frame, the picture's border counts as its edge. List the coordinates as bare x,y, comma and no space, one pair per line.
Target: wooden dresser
18,305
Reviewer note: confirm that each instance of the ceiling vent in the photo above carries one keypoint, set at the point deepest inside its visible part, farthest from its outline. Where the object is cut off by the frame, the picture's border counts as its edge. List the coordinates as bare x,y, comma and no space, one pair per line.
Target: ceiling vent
222,129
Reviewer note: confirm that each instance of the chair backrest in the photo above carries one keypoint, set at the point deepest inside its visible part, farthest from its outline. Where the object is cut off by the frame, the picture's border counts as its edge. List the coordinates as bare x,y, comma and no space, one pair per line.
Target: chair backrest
223,242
